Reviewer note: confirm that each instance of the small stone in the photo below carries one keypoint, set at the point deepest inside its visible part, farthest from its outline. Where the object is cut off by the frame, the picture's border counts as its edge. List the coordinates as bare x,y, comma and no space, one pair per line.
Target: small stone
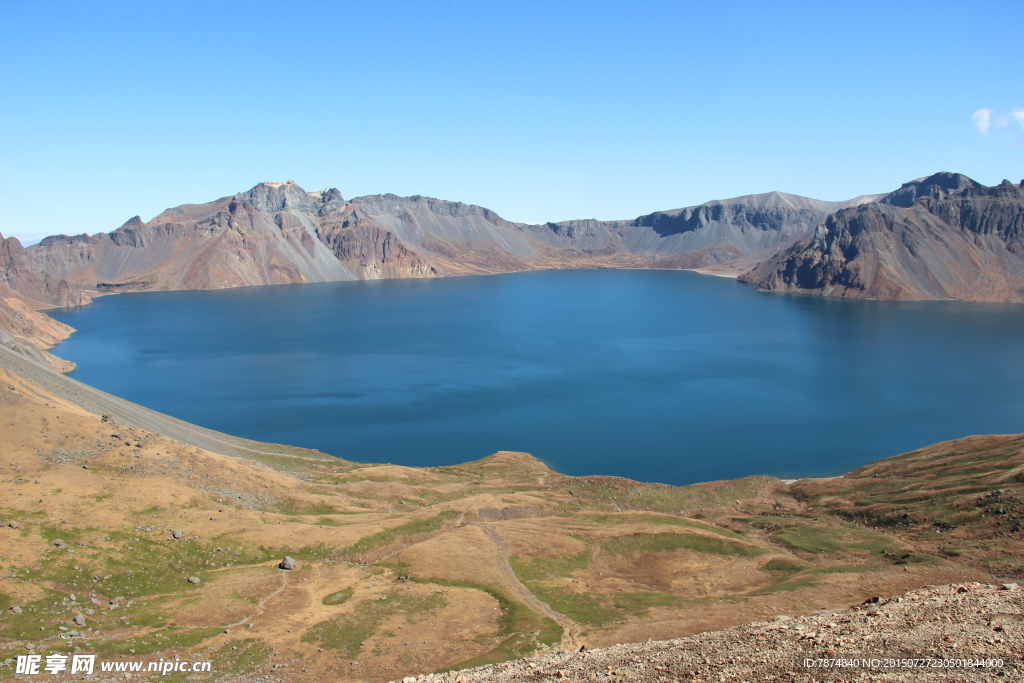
1009,586
62,629
193,580
16,610
79,620
95,601
287,564
73,598
14,525
177,533
57,543
85,467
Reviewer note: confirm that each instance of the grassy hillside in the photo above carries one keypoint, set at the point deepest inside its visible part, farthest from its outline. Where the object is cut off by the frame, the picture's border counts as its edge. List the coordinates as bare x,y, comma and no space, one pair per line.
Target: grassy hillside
165,549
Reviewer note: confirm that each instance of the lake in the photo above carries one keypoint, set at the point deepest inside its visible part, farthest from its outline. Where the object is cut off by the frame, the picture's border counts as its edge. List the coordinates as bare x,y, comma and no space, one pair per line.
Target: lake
656,375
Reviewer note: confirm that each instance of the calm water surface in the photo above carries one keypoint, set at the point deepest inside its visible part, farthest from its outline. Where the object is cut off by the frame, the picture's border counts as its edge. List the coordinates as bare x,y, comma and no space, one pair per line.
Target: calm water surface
663,376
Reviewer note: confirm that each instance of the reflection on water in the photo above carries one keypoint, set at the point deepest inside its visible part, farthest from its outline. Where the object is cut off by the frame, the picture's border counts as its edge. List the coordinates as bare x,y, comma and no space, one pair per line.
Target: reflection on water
655,375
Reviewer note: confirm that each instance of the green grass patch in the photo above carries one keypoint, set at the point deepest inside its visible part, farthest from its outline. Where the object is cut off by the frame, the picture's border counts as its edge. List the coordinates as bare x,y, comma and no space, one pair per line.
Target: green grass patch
539,575
664,520
289,507
158,641
819,540
381,538
520,630
347,632
637,544
783,564
338,598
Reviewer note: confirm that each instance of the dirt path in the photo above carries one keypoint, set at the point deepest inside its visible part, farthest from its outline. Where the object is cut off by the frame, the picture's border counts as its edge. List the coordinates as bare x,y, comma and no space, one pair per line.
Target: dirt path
260,605
571,630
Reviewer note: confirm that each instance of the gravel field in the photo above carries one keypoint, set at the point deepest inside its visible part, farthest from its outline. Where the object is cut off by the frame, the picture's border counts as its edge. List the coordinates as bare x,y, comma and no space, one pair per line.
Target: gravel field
120,411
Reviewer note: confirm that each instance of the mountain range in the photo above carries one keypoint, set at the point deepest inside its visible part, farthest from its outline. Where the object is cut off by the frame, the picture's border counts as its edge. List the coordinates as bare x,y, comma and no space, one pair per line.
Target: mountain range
941,237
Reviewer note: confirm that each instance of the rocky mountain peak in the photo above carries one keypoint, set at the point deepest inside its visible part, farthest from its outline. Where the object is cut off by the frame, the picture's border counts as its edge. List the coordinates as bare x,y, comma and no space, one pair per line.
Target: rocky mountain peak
133,222
273,197
330,200
935,185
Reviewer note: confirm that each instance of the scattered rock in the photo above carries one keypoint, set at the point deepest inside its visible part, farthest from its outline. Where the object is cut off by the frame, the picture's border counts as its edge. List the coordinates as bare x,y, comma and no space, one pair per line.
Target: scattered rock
14,525
1009,586
79,619
85,467
62,629
287,564
193,580
16,610
177,533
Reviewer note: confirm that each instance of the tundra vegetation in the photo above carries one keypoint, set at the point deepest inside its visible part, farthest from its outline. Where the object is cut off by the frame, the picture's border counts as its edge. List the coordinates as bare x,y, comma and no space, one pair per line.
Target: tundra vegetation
123,542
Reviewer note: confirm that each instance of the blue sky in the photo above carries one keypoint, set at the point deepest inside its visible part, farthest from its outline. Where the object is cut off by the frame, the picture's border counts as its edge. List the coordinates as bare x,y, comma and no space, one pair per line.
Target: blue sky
540,111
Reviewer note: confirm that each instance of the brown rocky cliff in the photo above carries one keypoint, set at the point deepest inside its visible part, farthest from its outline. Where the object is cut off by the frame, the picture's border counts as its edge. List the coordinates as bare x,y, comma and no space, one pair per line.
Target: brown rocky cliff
279,233
23,290
942,237
370,252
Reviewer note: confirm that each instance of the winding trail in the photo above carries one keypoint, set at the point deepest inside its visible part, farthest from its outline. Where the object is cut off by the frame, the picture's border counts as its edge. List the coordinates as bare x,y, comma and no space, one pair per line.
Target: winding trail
570,629
260,605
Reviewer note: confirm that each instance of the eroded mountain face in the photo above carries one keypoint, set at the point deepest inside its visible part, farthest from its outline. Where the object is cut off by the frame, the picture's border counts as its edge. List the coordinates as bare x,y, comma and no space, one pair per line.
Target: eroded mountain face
942,237
279,233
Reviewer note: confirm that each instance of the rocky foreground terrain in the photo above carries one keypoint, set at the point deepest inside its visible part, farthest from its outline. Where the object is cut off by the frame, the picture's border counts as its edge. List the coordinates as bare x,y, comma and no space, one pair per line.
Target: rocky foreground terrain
961,632
134,536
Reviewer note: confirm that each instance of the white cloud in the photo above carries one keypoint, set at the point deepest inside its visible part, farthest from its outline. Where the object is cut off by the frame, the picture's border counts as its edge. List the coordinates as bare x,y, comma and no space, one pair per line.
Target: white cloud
1018,116
983,120
986,120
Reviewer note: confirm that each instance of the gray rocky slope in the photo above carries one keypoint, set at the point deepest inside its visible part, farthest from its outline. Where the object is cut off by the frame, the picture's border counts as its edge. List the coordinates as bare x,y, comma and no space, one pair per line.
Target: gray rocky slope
277,232
941,237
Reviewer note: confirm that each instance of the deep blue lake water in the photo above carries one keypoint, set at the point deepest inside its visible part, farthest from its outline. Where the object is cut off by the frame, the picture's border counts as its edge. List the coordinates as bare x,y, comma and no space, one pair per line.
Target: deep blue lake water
666,376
